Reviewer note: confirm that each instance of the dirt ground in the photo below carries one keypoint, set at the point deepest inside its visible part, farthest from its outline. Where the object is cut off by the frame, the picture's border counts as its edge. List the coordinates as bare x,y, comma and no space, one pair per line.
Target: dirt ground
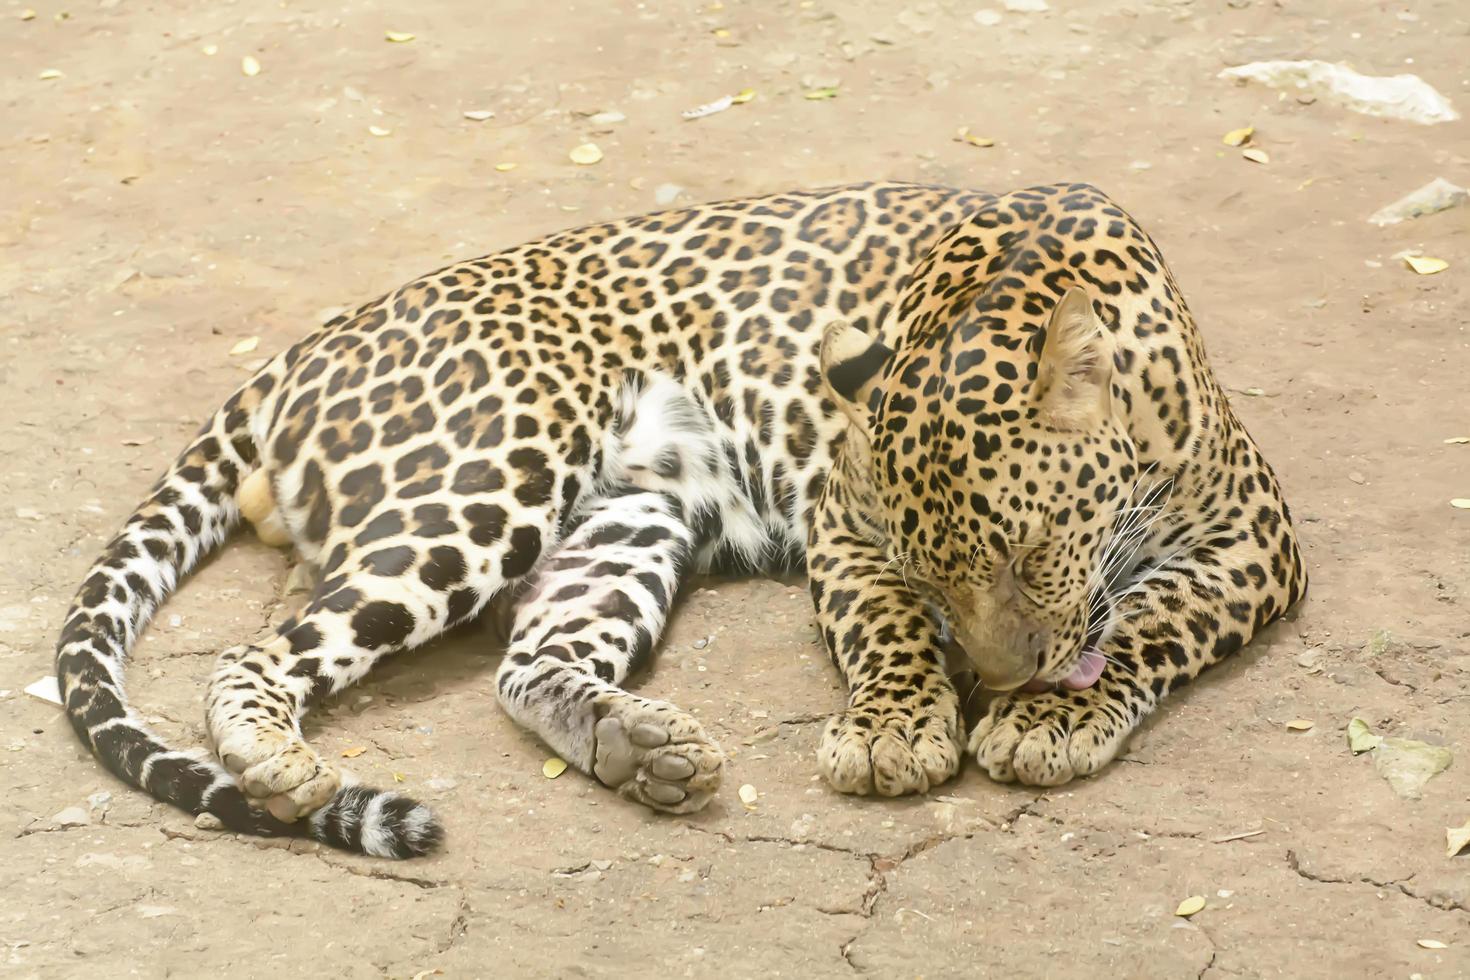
158,206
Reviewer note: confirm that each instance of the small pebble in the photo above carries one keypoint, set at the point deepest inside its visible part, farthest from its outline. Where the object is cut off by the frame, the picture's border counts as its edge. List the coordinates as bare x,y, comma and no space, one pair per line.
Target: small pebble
667,194
208,821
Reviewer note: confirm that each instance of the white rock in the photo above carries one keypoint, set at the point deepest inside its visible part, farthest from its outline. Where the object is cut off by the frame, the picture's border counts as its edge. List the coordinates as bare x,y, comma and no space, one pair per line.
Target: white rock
1026,6
608,118
666,193
987,18
441,783
1406,97
154,911
72,816
45,689
1437,195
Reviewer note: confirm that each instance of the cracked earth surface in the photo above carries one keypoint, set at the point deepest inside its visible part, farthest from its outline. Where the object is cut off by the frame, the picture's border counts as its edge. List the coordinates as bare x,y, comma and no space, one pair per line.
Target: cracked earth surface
162,206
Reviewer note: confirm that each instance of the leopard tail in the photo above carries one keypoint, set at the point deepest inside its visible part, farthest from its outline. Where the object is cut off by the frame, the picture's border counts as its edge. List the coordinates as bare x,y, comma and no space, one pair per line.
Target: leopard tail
189,512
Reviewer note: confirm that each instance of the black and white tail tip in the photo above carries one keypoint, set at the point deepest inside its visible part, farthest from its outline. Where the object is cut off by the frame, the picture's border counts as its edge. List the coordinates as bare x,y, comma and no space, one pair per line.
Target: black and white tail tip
378,823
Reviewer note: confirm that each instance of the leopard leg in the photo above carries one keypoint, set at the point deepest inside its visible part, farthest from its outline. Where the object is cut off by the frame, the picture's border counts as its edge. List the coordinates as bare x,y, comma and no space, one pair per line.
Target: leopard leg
592,615
595,609
375,600
1173,621
901,732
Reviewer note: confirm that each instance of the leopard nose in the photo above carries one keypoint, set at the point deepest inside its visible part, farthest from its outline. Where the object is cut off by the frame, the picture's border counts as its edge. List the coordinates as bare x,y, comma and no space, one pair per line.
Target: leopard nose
1006,665
1005,672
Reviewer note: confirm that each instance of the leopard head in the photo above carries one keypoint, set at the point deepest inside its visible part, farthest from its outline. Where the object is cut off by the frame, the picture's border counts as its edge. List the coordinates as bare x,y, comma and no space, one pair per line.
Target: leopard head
999,461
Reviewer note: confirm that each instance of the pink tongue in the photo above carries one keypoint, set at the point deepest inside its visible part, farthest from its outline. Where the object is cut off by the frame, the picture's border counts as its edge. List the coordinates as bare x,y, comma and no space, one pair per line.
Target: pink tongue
1089,668
1086,673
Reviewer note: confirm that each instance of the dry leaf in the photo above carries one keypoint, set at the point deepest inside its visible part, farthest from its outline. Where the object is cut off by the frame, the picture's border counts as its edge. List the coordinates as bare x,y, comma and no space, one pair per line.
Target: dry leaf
49,74
505,167
1256,156
1431,944
553,767
1456,839
1360,736
380,131
720,32
244,346
818,94
1457,440
399,777
1460,503
249,67
354,752
1190,906
1254,392
397,37
478,115
1425,265
1300,725
210,49
743,96
585,155
963,135
1239,137
748,795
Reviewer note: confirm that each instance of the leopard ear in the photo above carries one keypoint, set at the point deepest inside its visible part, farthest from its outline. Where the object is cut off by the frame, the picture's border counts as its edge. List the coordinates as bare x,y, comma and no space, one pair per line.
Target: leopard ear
852,365
1075,373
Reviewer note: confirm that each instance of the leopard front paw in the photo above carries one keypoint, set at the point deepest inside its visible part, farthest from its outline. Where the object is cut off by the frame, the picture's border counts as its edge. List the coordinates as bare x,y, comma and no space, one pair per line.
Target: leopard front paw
1051,738
891,752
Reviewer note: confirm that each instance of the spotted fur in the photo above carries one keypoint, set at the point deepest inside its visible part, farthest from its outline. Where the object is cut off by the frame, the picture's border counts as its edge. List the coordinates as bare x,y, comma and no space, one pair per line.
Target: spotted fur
571,427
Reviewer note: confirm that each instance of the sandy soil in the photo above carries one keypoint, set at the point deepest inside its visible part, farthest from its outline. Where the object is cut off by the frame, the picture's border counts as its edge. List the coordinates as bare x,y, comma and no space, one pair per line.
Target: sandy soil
158,206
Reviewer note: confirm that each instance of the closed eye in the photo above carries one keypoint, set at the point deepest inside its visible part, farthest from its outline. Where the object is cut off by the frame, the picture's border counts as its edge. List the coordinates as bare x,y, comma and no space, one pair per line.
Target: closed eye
1021,571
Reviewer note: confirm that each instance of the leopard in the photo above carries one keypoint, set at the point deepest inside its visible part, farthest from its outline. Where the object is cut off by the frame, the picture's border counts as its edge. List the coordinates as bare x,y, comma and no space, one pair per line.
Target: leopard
983,422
